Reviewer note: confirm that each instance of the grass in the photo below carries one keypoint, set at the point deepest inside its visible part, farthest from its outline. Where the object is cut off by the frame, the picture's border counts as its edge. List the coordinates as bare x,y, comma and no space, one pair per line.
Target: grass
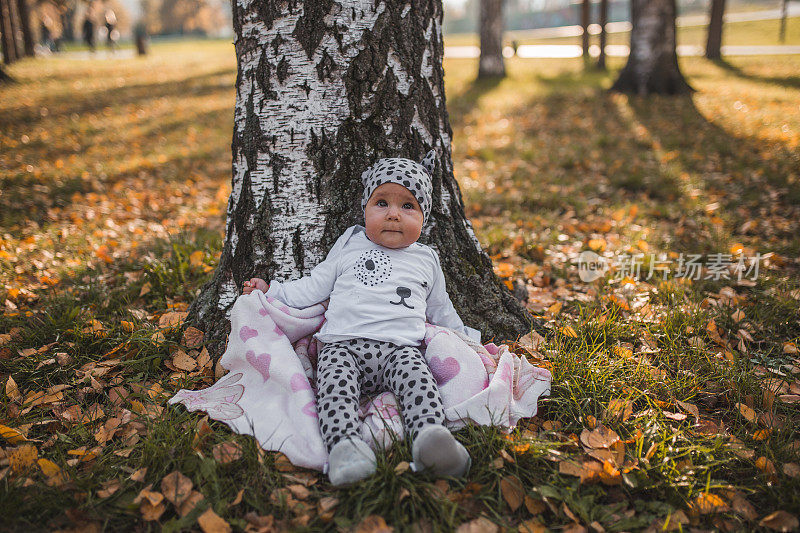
114,181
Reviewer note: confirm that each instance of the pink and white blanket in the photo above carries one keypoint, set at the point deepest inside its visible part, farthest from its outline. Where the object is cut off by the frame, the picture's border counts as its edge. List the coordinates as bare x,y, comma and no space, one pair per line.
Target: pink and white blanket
269,389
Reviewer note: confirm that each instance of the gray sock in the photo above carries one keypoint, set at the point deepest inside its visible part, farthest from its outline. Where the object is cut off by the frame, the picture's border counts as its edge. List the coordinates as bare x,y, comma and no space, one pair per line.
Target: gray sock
436,449
350,460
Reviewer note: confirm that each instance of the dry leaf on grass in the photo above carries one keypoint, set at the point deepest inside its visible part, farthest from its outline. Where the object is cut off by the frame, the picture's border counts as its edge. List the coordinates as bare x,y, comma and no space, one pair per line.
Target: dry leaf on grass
109,487
532,526
600,437
23,458
11,435
747,412
210,522
227,452
176,488
190,503
708,503
193,337
373,524
479,525
534,506
791,469
513,492
780,521
139,475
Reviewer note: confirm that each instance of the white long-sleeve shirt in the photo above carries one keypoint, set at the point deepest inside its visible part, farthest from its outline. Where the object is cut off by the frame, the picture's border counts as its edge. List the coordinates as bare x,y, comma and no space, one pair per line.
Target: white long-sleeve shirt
375,292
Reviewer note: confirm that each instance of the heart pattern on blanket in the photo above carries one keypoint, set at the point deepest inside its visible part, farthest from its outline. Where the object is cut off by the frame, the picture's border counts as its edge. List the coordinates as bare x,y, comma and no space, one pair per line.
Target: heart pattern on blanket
260,363
444,370
299,382
310,409
247,333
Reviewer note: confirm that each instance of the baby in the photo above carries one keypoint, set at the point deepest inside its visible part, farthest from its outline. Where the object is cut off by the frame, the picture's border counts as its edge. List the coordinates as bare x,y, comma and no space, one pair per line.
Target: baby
383,285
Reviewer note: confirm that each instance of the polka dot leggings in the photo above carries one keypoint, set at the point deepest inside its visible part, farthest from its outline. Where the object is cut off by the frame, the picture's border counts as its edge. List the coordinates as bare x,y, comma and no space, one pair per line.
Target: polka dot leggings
349,368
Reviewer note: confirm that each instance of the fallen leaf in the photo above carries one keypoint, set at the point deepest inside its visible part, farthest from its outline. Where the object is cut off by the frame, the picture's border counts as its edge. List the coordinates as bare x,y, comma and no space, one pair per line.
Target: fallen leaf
238,499
182,361
190,503
401,467
326,506
176,487
211,522
227,452
298,491
513,492
479,525
532,526
534,506
12,391
619,409
600,437
780,521
791,469
707,503
12,435
747,412
193,337
109,488
373,524
151,512
23,458
139,475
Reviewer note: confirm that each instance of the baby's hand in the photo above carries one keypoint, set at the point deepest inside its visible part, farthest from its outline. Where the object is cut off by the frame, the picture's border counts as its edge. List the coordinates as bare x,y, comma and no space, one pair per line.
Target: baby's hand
253,284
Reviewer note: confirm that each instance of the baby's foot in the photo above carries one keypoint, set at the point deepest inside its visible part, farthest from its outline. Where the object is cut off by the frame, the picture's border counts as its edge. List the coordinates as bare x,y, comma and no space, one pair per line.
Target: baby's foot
435,448
350,460
253,284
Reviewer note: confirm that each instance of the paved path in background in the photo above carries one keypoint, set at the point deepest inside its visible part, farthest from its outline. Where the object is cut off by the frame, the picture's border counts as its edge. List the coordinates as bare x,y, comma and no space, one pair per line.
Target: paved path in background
620,27
556,51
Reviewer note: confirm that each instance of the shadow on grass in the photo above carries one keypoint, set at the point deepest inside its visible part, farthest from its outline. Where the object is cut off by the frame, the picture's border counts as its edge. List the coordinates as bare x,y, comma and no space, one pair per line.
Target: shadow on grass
460,105
592,149
790,81
94,101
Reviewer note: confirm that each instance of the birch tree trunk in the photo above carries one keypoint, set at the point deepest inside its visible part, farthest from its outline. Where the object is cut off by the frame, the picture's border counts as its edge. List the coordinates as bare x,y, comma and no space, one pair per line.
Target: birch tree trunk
714,40
652,66
491,63
324,89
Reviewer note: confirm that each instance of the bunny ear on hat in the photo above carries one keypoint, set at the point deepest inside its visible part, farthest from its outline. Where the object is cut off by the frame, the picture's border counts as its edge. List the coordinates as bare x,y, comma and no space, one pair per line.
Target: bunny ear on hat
429,162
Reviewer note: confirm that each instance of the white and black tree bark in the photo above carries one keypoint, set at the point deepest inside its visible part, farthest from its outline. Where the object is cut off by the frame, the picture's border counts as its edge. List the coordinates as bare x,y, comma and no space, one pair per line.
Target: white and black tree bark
324,89
714,40
491,64
652,66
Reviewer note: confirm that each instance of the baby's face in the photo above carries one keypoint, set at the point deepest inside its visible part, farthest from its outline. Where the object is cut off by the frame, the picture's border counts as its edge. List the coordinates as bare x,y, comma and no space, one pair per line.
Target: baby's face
393,217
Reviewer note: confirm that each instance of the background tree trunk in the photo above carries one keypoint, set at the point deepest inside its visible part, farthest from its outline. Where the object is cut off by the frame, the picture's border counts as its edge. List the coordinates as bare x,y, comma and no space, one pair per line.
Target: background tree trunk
7,30
601,58
491,31
714,41
652,66
784,15
324,89
585,15
25,26
68,23
15,32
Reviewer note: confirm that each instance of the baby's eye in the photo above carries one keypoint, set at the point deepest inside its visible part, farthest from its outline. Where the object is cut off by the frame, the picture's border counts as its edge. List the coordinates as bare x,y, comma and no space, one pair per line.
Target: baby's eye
381,203
408,205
